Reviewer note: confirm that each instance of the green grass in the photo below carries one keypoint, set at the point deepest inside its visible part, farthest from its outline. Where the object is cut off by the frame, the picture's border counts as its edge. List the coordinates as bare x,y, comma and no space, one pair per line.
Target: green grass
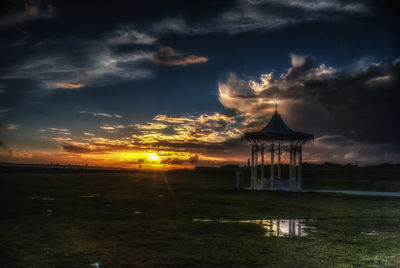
106,229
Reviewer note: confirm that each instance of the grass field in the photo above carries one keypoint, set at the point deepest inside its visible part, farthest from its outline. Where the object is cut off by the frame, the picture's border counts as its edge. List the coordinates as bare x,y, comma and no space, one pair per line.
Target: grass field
146,219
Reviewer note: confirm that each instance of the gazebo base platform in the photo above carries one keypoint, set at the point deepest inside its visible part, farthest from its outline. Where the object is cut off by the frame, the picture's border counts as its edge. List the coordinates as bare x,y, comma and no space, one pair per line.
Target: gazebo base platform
276,185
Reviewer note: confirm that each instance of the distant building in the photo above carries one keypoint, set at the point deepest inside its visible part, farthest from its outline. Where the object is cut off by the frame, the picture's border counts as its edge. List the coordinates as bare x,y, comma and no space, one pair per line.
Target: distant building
203,168
230,166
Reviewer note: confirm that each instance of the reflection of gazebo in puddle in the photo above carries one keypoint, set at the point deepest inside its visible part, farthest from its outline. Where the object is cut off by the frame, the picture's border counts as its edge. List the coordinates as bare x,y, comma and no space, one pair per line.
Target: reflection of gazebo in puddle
278,227
277,138
290,227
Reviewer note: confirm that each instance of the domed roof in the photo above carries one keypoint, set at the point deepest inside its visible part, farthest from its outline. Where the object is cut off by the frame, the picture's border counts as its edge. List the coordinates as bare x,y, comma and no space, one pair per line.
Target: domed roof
277,130
276,125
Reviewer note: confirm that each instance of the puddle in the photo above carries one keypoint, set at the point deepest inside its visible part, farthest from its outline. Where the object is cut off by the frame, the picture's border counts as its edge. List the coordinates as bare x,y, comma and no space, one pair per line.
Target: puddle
370,233
89,196
273,227
96,264
44,198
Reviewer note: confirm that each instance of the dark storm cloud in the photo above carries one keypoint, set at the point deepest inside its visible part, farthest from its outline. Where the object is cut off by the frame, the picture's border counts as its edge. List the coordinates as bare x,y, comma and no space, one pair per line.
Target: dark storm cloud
219,149
19,12
335,140
97,146
250,15
73,61
96,56
362,106
173,161
91,64
341,149
177,161
300,67
345,108
127,34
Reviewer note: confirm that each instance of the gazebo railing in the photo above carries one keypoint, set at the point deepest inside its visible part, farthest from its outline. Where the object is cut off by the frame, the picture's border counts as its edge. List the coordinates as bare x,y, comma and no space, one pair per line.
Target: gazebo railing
278,185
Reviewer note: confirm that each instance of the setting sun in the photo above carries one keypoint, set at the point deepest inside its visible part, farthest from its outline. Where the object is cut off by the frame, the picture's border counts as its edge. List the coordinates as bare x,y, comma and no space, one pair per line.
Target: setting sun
153,157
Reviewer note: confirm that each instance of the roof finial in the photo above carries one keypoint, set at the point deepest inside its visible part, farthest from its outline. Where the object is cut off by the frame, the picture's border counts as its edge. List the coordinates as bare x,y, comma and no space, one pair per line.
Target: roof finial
276,107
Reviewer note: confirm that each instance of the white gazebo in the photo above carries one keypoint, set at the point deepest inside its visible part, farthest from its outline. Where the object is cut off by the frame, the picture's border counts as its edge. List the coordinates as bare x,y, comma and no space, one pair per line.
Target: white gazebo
273,140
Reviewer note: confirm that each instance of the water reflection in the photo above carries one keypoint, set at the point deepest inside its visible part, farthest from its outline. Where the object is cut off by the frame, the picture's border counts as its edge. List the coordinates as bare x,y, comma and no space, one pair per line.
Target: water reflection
272,227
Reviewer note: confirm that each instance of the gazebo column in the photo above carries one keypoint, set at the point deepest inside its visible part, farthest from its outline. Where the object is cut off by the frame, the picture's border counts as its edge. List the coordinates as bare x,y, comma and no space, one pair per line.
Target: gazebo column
300,167
272,165
294,163
256,167
291,162
279,160
262,161
252,167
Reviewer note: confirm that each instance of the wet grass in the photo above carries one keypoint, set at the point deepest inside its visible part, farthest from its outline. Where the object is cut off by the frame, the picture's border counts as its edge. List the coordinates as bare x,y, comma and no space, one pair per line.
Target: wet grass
367,178
145,219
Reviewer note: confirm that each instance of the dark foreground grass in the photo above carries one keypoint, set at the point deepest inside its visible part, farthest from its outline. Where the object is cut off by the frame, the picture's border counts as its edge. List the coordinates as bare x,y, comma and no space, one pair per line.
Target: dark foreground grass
145,219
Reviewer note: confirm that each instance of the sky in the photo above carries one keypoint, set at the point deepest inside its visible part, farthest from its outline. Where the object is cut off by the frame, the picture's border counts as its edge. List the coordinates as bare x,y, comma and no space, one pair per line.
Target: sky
172,84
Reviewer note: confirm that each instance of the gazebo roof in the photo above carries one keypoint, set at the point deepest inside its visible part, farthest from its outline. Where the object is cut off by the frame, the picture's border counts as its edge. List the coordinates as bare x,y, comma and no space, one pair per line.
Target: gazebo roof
276,125
277,130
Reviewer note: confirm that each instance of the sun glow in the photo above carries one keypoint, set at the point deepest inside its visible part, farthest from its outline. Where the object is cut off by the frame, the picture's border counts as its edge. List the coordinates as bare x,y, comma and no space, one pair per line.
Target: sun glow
154,157
153,145
146,159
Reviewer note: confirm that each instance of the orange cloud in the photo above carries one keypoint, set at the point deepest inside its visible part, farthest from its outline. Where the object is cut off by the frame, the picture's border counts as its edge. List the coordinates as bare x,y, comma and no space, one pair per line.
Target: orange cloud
70,85
32,9
167,56
173,119
112,127
165,142
9,127
192,59
151,126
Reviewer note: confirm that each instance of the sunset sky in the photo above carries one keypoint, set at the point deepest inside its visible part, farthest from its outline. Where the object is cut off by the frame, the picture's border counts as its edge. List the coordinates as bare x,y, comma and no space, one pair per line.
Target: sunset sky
176,84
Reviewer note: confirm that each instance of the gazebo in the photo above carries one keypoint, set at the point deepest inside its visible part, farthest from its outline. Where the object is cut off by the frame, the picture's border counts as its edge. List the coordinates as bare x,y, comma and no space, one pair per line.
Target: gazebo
275,139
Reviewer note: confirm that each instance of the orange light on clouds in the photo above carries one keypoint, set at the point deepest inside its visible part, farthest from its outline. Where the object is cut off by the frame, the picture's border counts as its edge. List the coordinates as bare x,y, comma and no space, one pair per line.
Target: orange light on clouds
166,142
9,127
132,159
70,85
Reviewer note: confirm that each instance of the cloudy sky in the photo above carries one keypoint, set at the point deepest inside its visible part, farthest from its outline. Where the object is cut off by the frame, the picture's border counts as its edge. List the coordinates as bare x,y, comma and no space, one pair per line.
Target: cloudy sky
172,84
